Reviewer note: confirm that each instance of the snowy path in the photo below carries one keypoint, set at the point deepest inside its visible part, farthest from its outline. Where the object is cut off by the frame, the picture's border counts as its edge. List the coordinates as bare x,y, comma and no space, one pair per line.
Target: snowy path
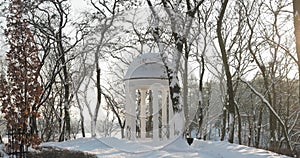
113,147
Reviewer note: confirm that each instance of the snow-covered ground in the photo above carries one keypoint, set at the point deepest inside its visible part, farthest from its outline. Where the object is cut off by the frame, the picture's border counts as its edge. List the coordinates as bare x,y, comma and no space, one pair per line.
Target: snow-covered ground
114,147
2,154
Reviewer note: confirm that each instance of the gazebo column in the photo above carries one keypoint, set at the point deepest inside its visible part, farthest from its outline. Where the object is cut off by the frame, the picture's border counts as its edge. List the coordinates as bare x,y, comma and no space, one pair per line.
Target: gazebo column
164,115
171,119
155,113
132,114
127,114
143,114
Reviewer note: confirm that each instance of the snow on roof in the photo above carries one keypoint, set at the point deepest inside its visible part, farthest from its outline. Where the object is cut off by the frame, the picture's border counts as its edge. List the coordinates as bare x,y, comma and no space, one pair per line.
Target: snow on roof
146,66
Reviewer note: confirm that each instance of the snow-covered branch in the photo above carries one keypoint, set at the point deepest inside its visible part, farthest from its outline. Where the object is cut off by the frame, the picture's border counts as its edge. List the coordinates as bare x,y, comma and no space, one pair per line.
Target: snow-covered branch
269,106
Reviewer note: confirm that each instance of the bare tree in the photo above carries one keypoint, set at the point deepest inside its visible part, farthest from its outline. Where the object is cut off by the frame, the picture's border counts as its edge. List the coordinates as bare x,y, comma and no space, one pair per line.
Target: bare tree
231,104
180,28
50,20
202,44
103,22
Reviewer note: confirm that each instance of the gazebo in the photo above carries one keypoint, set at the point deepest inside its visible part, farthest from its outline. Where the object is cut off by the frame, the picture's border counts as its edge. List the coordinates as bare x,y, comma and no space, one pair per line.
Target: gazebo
146,78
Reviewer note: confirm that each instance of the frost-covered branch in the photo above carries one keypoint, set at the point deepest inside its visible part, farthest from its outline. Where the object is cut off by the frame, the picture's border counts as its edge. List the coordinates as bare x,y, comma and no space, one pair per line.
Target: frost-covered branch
269,106
295,122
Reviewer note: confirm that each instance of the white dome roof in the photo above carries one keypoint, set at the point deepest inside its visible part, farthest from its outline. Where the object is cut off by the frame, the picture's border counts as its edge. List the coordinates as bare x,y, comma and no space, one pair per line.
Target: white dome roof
146,66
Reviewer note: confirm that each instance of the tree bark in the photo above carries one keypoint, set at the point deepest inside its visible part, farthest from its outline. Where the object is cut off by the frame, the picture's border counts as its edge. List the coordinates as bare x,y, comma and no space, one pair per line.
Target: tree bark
66,83
185,92
259,122
296,8
67,118
239,124
98,86
272,119
223,130
200,99
32,122
81,116
250,125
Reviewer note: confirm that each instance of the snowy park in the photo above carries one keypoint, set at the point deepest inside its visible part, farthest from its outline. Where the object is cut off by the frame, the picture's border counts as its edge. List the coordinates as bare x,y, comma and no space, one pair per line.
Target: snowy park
149,78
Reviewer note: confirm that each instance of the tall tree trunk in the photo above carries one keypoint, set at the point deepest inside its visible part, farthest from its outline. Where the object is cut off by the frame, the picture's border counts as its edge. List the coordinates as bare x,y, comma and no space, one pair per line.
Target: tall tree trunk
230,106
250,135
1,141
122,132
81,116
61,122
200,99
296,7
66,84
185,93
180,37
258,127
98,86
95,115
272,118
33,122
67,118
223,130
82,123
62,132
239,124
82,126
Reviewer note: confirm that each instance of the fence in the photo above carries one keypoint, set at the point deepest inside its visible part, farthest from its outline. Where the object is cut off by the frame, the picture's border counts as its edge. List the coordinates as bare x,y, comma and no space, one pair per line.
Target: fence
16,147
